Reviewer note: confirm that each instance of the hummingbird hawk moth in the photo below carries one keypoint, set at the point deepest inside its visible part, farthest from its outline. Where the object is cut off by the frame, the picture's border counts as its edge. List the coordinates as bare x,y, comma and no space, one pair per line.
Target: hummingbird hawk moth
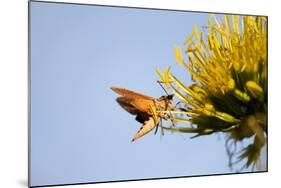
141,106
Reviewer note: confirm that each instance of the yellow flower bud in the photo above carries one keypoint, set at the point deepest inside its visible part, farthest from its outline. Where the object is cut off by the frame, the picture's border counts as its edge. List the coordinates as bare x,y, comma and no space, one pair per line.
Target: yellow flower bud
254,89
231,84
209,107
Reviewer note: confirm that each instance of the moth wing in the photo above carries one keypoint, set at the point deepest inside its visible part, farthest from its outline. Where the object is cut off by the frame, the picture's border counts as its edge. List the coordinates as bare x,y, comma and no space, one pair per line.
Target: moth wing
130,94
135,106
142,117
146,128
143,105
125,103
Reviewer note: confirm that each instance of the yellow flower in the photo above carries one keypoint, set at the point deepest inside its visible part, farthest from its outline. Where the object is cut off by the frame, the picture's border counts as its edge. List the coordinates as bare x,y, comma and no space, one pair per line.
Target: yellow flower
227,61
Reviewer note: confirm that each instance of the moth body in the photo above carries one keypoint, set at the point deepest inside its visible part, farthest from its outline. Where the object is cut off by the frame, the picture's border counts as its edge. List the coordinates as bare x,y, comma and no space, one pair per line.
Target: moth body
141,105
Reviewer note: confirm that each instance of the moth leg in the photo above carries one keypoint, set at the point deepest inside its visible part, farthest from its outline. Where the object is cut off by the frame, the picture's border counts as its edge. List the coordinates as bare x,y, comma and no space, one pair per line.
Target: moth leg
156,128
177,104
172,121
162,129
165,117
171,118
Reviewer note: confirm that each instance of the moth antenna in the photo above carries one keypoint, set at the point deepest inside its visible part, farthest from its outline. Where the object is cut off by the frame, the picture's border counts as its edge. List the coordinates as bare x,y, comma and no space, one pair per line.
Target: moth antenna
163,88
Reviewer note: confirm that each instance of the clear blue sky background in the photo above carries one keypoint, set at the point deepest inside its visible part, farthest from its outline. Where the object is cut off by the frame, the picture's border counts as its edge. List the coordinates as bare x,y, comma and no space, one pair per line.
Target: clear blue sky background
78,131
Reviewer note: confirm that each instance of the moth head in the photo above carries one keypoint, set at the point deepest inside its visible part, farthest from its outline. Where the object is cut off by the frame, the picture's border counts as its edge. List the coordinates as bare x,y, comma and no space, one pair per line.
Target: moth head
170,97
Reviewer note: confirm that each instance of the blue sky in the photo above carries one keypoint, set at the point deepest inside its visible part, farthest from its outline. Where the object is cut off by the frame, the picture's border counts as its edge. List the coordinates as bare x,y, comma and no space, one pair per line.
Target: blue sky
78,131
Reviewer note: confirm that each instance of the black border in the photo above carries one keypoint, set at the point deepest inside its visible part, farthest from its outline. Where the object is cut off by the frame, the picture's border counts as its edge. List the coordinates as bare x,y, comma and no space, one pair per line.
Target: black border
116,6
